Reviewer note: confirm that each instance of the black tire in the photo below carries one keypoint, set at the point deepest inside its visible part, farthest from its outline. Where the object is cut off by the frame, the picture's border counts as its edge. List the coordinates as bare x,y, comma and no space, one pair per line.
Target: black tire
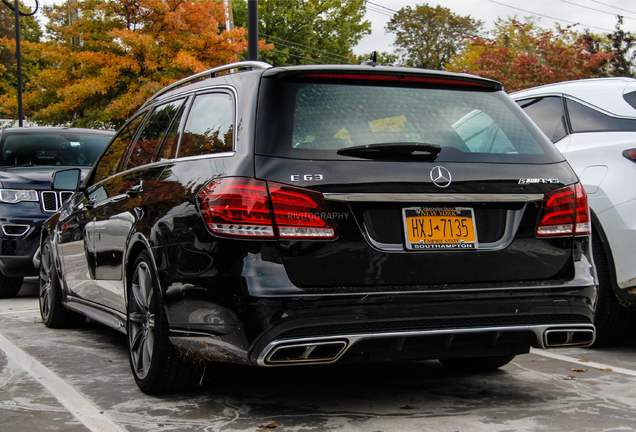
611,318
10,286
154,361
53,312
477,364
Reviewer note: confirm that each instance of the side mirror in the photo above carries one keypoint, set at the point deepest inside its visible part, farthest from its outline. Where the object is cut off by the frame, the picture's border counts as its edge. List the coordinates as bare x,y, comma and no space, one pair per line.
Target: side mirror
68,179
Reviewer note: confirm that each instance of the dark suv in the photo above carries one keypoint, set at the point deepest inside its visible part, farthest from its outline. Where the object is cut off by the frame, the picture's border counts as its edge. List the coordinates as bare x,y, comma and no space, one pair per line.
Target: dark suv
28,159
319,214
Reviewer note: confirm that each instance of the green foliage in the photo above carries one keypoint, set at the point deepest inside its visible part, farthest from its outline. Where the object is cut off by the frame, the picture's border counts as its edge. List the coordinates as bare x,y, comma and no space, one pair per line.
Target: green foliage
384,58
623,46
428,37
307,32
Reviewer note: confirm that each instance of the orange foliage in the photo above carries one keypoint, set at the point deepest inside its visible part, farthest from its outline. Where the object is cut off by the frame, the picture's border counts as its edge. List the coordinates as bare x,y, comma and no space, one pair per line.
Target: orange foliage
103,67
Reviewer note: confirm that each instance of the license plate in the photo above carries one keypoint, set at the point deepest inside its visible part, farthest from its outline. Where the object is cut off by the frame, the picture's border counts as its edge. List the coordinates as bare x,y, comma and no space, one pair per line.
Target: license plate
439,228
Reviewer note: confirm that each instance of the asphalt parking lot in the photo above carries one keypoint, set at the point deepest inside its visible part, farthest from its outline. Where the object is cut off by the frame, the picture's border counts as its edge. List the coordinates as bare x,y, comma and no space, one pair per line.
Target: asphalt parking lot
79,380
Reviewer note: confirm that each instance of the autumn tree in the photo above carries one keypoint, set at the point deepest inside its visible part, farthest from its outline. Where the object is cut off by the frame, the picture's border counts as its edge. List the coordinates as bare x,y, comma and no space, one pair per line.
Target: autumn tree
30,32
107,63
307,32
428,37
522,55
623,46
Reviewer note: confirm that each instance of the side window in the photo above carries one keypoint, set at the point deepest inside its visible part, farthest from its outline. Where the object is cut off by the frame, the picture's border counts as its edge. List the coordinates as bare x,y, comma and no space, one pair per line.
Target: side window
210,126
152,133
169,148
586,119
547,113
111,159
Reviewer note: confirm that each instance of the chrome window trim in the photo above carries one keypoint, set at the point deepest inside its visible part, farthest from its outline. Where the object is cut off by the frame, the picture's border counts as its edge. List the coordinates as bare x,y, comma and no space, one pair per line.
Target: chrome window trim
222,89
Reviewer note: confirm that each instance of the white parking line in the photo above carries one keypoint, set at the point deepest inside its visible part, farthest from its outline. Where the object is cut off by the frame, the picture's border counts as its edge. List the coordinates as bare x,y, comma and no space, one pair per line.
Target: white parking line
19,311
81,408
561,357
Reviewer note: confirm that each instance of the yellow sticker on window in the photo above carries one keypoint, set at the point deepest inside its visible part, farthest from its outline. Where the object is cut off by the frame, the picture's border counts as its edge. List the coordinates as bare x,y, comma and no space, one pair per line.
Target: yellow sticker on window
343,134
390,124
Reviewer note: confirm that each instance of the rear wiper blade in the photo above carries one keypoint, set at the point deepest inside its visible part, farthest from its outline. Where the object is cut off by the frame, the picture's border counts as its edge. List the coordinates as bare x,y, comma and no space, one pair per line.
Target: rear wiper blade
394,151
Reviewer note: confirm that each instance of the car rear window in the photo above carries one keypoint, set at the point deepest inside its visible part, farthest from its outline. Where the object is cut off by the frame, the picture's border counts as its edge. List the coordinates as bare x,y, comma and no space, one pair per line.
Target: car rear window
312,120
63,148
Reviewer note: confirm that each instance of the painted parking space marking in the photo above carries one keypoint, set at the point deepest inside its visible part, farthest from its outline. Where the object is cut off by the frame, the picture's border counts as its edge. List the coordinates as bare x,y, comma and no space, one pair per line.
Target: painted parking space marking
80,407
20,311
564,358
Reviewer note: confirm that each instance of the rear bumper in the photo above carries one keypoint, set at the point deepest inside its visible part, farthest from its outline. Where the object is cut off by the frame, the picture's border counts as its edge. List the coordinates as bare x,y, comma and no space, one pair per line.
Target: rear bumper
425,344
383,328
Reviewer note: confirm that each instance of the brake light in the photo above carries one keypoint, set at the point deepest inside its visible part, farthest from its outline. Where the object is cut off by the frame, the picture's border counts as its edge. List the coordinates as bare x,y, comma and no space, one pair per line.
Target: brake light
399,78
564,211
630,154
237,207
301,213
243,207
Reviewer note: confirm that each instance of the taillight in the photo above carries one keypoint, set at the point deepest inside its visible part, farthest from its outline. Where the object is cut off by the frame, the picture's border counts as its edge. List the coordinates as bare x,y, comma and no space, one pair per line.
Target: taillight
237,207
630,154
564,212
243,207
301,213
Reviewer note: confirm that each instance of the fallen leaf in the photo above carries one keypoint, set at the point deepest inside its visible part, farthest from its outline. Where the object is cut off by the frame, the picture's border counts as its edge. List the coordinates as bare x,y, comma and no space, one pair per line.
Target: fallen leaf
584,361
570,377
269,426
578,370
606,370
407,407
40,355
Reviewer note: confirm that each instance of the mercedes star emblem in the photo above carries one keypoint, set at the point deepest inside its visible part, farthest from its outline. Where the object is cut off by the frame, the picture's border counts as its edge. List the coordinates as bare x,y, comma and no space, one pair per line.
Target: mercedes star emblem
441,176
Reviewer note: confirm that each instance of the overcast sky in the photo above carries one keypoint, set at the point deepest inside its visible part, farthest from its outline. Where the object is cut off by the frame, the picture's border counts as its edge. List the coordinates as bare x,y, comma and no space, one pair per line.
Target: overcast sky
597,15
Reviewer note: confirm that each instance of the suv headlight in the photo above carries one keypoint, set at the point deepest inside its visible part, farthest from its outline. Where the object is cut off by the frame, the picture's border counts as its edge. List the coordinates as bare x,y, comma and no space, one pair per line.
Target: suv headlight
13,196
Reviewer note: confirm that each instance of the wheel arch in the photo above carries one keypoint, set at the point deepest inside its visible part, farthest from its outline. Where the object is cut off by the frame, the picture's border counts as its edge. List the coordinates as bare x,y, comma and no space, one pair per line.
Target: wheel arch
597,228
136,246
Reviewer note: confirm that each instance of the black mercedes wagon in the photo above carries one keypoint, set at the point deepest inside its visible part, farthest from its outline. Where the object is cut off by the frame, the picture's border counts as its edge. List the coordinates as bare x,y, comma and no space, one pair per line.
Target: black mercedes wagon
275,216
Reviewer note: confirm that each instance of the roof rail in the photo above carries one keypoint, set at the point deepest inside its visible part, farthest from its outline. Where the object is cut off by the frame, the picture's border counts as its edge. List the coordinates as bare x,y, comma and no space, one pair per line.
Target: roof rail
254,65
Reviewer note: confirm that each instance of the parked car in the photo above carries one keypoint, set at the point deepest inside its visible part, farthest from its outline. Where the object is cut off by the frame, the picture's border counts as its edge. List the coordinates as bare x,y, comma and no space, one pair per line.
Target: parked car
320,214
593,123
28,158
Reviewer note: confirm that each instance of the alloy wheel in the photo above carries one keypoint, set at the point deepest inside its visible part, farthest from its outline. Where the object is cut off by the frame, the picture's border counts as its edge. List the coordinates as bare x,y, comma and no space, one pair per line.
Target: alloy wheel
141,321
46,296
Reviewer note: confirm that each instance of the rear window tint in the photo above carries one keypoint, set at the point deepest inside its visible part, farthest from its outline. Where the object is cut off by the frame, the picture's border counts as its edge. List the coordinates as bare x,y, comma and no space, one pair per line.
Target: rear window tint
547,113
314,120
586,119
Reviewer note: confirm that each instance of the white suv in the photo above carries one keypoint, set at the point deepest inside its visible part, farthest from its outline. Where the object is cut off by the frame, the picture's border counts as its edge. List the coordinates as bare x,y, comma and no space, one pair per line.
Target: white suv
593,123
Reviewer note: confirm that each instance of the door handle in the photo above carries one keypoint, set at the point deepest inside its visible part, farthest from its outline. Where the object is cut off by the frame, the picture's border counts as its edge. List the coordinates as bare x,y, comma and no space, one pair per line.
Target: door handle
135,189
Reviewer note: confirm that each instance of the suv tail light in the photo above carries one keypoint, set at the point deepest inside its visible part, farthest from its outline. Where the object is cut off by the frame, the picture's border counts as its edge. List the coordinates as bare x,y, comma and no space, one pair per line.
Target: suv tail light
630,154
564,212
243,207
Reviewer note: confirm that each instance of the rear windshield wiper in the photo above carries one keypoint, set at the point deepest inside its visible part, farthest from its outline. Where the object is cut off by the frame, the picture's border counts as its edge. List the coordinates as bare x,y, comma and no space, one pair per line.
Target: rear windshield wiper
394,151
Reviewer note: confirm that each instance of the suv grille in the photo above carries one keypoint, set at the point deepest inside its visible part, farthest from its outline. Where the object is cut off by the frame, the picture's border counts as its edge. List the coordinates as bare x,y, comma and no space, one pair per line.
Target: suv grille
51,201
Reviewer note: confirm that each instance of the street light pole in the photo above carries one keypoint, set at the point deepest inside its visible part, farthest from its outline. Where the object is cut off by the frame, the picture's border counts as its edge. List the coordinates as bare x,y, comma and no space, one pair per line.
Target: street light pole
252,29
18,53
18,56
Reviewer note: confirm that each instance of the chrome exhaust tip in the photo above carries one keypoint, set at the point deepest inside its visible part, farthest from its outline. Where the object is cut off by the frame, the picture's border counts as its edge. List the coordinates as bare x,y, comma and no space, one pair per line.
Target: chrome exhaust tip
306,352
557,338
